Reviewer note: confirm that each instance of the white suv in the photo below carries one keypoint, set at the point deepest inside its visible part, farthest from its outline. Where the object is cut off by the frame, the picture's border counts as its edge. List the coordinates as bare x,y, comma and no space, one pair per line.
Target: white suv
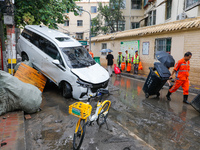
62,59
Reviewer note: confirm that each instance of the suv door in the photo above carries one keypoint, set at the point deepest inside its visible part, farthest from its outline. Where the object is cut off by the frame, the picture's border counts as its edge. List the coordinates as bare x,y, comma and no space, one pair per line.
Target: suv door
52,70
30,46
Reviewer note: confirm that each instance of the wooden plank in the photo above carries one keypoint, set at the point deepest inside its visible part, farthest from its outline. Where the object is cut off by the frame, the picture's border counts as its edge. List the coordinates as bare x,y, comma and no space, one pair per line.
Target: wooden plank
27,74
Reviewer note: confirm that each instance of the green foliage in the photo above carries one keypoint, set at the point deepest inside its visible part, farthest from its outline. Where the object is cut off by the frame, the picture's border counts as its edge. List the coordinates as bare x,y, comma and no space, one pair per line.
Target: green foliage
28,18
47,12
111,15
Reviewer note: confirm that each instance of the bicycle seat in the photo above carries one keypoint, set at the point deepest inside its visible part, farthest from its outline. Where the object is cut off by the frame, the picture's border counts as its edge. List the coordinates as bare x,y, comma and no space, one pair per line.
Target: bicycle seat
103,91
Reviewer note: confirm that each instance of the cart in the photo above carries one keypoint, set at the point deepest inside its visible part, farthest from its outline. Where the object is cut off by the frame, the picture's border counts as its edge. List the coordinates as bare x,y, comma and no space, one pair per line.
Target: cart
196,103
158,76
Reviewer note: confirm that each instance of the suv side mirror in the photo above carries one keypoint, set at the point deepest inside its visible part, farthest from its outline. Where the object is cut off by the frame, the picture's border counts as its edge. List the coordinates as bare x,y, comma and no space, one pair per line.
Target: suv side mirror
56,62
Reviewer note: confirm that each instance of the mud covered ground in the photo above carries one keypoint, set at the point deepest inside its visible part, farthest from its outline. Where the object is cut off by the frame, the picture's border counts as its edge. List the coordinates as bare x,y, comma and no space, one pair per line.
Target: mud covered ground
53,128
135,122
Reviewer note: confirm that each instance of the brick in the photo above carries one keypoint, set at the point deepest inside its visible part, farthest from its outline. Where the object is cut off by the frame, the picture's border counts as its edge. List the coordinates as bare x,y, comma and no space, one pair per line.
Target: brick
27,117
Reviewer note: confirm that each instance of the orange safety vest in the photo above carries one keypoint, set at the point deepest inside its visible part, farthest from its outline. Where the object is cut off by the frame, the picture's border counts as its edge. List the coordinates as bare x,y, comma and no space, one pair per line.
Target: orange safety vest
182,69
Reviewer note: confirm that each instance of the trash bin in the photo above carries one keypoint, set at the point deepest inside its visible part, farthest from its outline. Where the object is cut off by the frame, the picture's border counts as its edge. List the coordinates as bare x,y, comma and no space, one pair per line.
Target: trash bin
196,103
97,59
156,79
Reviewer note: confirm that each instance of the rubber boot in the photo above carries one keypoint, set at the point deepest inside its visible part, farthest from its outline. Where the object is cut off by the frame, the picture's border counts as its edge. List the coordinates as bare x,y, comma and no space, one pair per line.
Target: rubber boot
168,96
185,97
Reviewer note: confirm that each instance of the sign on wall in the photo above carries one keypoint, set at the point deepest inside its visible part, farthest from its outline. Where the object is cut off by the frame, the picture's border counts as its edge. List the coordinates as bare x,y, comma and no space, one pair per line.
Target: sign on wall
83,42
131,46
145,48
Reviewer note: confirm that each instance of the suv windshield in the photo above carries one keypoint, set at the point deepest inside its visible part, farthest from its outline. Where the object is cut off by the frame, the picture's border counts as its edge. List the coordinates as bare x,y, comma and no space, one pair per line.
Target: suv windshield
77,57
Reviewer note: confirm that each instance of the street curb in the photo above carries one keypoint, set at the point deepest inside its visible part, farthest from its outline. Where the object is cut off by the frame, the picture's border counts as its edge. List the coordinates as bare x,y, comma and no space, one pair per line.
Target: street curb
139,77
22,136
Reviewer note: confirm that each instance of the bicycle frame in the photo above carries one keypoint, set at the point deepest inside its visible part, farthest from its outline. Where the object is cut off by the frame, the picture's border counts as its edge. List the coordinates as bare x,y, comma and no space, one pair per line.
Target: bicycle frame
98,110
84,113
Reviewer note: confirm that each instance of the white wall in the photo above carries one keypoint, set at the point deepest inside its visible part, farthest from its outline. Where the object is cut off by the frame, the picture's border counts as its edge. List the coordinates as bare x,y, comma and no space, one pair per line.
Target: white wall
177,8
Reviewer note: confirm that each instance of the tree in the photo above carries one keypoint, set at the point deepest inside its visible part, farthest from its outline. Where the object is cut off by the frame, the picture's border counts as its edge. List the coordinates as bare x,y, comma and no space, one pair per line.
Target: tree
47,12
111,15
26,12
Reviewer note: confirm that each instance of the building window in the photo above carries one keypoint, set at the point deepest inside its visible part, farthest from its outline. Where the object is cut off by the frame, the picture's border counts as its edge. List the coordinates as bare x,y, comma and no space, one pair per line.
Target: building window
67,11
135,25
93,9
136,4
191,3
79,22
163,44
79,36
103,46
66,23
168,9
121,26
151,20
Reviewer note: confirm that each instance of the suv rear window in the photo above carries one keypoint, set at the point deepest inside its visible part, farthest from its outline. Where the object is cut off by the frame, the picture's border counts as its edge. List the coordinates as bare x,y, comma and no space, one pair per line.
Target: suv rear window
63,39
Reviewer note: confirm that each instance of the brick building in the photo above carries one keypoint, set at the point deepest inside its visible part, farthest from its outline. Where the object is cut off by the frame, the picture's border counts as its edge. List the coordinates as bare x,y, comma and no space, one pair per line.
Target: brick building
175,37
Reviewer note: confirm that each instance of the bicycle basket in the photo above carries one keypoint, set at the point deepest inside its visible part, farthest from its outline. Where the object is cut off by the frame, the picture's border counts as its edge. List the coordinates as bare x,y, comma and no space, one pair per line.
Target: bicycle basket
80,109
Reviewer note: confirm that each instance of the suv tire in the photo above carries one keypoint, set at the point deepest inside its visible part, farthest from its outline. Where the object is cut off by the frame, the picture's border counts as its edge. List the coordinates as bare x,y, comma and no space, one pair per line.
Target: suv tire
66,90
25,57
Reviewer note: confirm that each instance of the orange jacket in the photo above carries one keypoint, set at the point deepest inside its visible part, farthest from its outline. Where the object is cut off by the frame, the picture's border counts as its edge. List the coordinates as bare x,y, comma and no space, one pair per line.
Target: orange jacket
182,69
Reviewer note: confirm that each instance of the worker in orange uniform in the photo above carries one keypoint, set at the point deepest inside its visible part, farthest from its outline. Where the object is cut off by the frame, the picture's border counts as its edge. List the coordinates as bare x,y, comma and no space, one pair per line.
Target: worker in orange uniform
182,68
91,53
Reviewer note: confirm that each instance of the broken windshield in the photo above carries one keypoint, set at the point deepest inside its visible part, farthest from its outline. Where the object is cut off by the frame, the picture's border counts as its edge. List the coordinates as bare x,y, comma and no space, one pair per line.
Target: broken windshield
77,57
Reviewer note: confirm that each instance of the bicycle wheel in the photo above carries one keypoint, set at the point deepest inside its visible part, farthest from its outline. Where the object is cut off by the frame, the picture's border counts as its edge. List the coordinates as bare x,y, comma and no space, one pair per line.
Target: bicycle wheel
79,134
103,114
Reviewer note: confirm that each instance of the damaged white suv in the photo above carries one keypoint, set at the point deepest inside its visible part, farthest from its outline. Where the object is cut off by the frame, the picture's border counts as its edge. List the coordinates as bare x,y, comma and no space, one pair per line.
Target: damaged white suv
62,59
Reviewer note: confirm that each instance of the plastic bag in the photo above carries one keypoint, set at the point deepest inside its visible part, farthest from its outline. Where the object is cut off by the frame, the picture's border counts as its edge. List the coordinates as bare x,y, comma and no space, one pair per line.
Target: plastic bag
140,66
116,69
123,66
128,67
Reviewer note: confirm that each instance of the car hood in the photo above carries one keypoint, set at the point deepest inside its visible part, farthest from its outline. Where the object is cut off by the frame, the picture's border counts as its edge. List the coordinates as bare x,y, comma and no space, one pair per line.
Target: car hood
93,74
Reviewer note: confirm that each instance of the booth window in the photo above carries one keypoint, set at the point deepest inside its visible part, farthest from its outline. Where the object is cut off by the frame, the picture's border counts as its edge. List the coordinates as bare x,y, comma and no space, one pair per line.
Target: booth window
103,46
163,44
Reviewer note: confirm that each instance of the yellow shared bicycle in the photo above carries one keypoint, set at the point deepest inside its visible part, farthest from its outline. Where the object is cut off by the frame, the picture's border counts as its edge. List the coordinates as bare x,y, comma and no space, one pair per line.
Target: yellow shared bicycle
83,112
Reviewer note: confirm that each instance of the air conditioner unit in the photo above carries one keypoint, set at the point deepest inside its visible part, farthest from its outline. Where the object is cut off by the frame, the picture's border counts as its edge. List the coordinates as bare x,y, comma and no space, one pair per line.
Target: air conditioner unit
181,16
86,38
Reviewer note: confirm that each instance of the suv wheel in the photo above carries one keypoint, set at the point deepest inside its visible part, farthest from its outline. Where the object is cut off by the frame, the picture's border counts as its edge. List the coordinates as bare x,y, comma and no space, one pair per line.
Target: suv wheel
24,57
66,90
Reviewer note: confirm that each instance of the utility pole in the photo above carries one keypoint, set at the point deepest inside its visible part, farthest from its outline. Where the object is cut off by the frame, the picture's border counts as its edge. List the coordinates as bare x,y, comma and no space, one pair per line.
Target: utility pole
9,21
90,27
2,39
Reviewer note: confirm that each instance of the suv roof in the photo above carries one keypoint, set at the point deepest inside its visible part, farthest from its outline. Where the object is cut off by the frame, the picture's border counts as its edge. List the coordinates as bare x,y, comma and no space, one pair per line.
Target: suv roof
54,35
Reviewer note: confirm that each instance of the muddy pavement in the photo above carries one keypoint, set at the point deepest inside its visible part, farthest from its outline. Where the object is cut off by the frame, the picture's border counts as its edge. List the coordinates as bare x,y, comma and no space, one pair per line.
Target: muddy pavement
53,128
162,124
134,122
